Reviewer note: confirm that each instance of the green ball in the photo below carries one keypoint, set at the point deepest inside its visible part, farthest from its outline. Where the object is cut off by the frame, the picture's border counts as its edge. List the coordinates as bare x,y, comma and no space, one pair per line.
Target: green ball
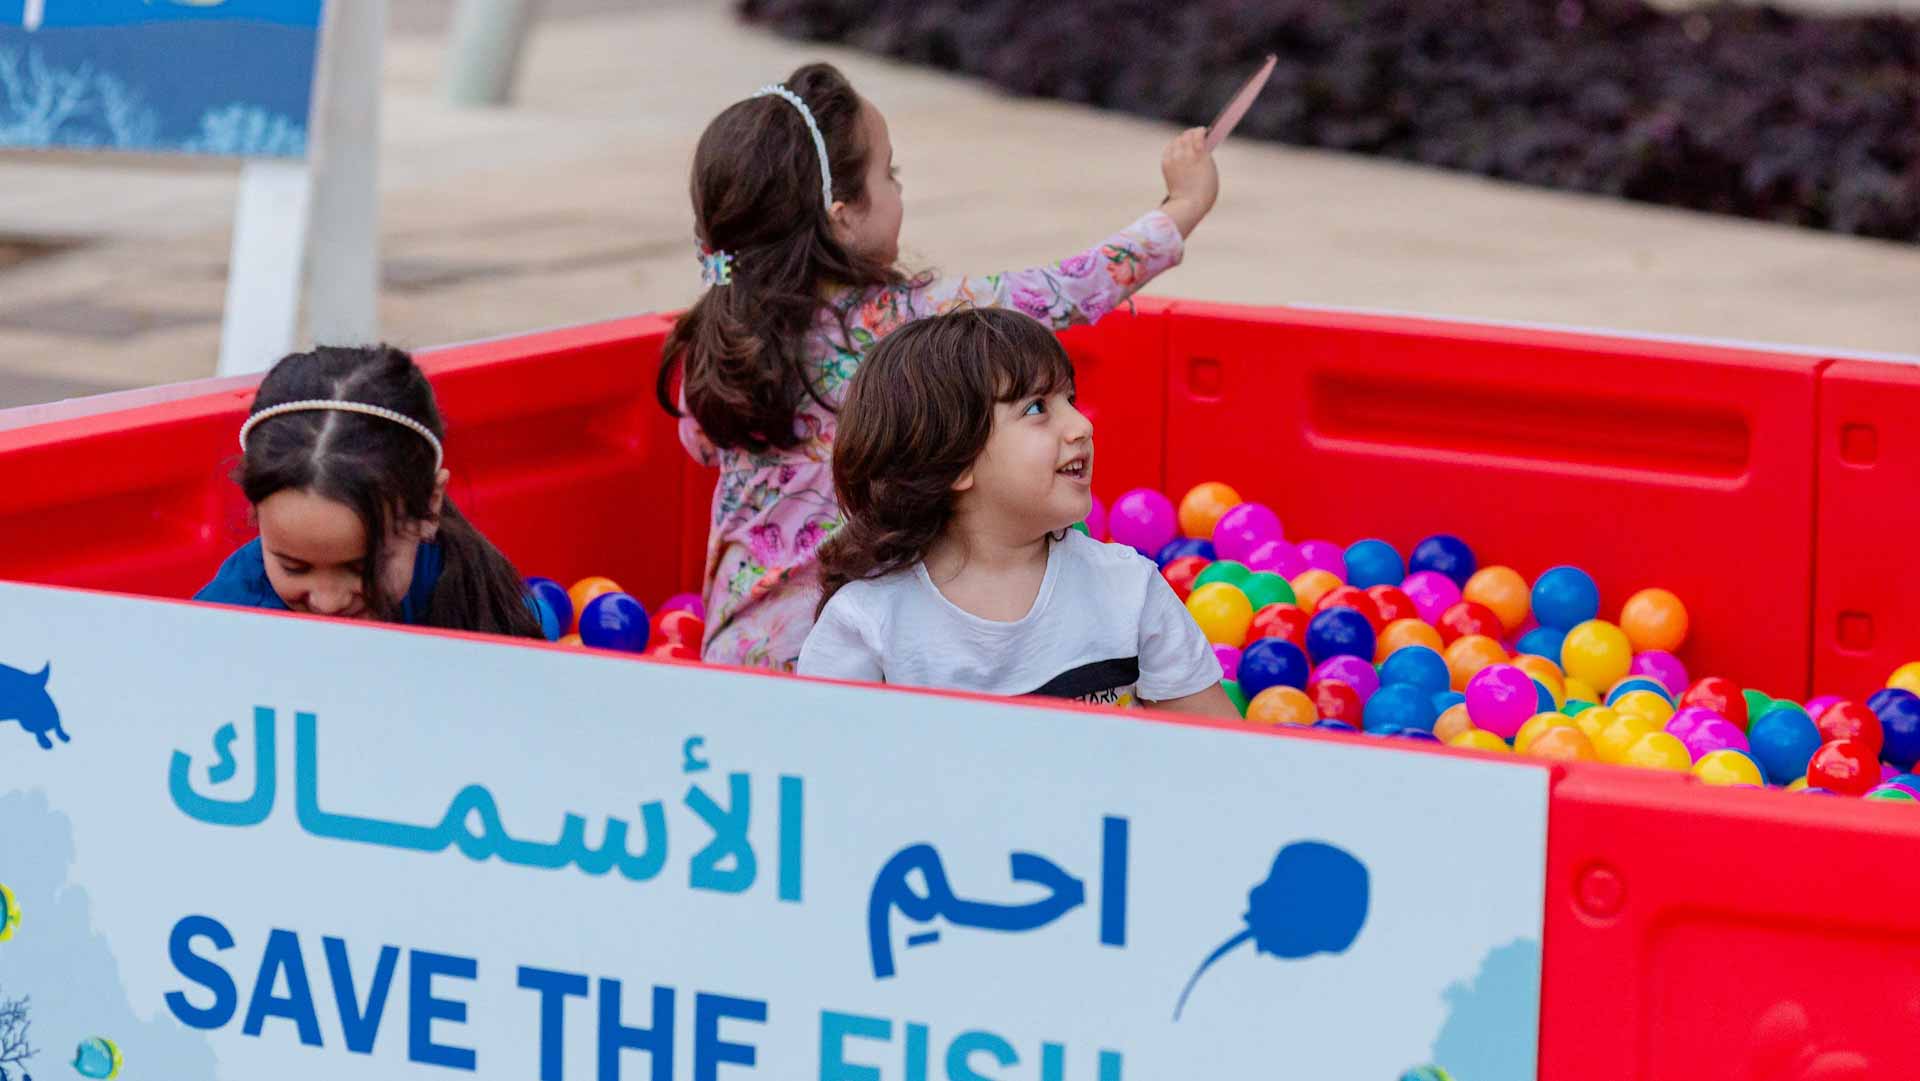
1894,795
1235,695
1224,570
1776,704
1082,527
1757,704
1575,707
1265,587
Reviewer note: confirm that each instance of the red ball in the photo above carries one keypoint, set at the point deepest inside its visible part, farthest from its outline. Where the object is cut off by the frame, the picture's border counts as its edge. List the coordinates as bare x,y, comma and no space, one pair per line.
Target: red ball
1846,767
679,626
1470,617
1855,722
678,651
1393,603
1719,695
1355,598
1336,701
1181,572
1281,620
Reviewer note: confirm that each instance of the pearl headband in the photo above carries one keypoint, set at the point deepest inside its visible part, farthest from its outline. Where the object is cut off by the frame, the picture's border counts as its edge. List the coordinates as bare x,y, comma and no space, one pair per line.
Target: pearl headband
819,140
311,405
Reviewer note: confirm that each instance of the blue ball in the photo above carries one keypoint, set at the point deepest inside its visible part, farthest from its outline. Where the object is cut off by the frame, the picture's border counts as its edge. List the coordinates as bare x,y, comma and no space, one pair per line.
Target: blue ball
1783,741
1374,563
1273,662
550,627
1542,642
1339,632
1416,734
556,597
615,621
1446,554
1400,706
1638,683
1564,598
1180,547
1446,700
1329,722
1899,713
1417,666
1543,699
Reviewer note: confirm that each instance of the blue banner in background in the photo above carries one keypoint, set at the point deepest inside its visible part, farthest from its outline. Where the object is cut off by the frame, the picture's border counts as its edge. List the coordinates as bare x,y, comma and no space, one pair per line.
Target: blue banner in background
230,78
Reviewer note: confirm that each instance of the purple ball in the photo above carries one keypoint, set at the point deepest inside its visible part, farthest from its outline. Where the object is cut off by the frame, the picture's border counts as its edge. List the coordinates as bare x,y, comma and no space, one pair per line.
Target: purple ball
1355,672
1243,529
1143,520
1821,704
1432,593
1715,734
1500,698
1887,773
689,602
1229,658
1325,556
1684,723
1097,520
1663,666
1277,556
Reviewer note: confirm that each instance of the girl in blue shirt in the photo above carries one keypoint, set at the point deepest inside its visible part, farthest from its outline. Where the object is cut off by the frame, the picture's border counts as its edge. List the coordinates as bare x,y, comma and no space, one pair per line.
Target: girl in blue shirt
343,464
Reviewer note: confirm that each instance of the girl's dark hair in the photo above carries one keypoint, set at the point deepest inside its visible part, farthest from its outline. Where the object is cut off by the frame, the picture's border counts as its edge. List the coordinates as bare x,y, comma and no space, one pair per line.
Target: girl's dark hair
756,195
917,416
384,472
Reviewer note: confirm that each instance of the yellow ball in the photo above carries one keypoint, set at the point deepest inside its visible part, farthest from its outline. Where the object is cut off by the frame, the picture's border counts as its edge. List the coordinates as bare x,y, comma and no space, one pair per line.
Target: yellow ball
1597,653
1579,690
1644,704
1538,725
1658,750
1619,733
1906,677
1727,767
1563,745
1594,721
1479,739
1223,612
1796,784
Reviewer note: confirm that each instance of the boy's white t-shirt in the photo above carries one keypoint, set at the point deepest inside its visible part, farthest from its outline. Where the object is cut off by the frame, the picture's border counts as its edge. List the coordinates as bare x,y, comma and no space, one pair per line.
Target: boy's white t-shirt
1104,628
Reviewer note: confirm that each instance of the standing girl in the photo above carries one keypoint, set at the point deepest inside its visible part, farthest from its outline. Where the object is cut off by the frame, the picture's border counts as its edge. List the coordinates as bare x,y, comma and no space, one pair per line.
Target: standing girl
797,205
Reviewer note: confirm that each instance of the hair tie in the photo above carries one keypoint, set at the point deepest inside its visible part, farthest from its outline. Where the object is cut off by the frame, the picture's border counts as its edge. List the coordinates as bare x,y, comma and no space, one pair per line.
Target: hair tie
716,266
311,405
819,140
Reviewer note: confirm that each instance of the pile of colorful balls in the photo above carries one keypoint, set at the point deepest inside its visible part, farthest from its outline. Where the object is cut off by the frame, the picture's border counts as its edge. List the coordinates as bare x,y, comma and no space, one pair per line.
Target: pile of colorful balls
595,613
1434,647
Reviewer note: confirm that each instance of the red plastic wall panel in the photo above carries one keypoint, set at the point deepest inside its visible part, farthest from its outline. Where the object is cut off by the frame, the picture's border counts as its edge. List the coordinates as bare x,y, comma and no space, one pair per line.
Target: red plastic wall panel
1646,463
1707,933
1866,607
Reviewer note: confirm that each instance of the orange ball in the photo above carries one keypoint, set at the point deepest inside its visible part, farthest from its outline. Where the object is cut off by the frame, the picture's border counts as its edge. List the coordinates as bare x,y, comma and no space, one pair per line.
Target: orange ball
1468,654
1311,585
1539,724
585,590
1407,632
1563,745
1453,722
1654,619
1479,739
1503,591
1282,705
1546,672
1202,506
571,640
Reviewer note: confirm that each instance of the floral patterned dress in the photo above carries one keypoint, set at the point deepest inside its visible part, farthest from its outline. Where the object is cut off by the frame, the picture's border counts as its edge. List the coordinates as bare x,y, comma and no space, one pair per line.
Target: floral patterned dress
771,510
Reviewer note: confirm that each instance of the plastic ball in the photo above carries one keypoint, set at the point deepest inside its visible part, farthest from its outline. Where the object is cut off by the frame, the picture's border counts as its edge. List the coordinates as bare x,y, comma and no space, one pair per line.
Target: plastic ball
1565,597
1264,587
1596,652
1544,671
1445,554
1503,592
1336,700
1202,506
1718,695
1310,585
1281,705
1658,750
681,626
615,621
1418,735
1654,619
1593,722
1563,745
1373,563
1272,662
1356,599
1143,520
1235,695
1243,528
1230,571
1662,666
1288,621
1325,556
1417,666
1899,713
1181,547
1843,767
1229,658
1853,721
1890,794
1467,656
1406,632
674,651
582,593
1685,720
1783,742
1447,699
557,600
1644,704
1582,690
1393,603
1538,724
1183,574
1355,672
1618,734
1453,721
1757,703
1638,683
1469,617
1279,556
1096,520
1336,726
1727,767
1501,698
1337,632
1401,706
1222,611
1479,739
690,602
1542,642
1432,593
1821,703
570,640
1906,678
1714,734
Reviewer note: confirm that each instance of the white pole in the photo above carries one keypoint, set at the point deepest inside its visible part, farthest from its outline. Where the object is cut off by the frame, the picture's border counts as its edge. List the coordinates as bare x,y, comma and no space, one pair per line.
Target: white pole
262,317
483,53
343,250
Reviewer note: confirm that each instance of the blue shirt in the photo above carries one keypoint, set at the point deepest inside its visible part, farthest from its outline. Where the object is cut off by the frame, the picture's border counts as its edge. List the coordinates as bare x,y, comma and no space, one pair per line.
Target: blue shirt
242,581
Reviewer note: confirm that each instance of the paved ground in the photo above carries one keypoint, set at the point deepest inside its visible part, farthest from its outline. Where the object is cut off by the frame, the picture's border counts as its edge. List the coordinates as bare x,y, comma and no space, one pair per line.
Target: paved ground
571,206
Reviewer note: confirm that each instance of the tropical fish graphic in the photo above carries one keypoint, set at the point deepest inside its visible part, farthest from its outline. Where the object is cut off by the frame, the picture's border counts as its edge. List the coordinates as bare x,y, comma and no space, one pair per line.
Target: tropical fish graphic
24,698
9,913
98,1058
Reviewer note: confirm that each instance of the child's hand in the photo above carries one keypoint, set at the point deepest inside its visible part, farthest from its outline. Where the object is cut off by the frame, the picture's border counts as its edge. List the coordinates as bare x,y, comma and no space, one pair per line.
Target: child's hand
1193,181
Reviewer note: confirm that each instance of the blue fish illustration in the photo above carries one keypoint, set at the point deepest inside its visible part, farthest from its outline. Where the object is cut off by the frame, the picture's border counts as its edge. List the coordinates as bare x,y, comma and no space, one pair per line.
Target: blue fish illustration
24,698
98,1058
1427,1073
9,913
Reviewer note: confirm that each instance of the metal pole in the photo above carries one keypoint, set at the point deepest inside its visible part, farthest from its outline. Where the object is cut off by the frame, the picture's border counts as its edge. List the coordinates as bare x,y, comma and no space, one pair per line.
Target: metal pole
483,53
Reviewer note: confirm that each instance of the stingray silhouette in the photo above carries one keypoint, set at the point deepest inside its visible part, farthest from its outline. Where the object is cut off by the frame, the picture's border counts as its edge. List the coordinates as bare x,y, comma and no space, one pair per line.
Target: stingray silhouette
1314,900
24,698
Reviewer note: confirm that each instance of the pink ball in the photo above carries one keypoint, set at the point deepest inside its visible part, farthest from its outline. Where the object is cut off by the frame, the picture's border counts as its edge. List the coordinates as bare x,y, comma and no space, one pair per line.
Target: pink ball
1278,556
1229,658
688,602
1822,704
1243,529
1432,593
1684,723
1143,520
1325,556
1500,698
1887,773
1663,666
1097,520
1714,734
1352,671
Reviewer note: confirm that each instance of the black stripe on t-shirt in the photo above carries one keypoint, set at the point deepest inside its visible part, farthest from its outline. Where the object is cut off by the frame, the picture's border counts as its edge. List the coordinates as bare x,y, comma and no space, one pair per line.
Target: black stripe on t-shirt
1092,678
